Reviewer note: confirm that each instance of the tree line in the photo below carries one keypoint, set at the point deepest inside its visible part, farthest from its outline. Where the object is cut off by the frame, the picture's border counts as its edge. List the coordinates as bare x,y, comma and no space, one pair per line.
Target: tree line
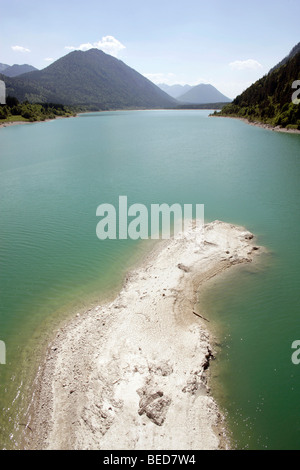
14,110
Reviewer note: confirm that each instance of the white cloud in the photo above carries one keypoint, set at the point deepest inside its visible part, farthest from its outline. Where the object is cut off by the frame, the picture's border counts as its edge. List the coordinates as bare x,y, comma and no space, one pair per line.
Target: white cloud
49,59
110,45
249,64
107,44
20,49
82,47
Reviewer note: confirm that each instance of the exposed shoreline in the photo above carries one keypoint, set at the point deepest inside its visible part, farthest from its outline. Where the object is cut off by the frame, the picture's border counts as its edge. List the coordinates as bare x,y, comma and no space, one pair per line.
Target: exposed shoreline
132,373
261,125
14,123
17,123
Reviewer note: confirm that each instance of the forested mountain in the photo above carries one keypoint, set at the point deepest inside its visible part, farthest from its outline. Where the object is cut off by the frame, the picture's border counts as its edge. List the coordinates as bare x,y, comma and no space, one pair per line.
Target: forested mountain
202,94
269,100
90,80
198,94
15,70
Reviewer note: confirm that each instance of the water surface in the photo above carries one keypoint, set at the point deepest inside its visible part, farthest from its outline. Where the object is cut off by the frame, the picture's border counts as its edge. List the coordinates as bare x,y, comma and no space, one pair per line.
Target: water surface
52,178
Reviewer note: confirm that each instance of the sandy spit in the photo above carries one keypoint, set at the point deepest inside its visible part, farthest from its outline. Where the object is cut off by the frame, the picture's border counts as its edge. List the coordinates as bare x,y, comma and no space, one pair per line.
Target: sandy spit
132,374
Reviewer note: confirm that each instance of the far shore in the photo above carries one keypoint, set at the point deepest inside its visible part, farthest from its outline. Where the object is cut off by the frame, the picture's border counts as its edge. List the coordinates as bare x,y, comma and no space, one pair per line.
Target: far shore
134,373
17,123
247,121
261,124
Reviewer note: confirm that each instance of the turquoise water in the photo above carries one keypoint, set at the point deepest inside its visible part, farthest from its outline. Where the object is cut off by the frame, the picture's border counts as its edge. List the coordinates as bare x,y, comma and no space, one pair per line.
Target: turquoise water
54,175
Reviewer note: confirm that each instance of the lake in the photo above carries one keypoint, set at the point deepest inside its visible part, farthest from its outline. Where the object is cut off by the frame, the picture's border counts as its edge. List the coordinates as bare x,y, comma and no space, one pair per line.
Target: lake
54,175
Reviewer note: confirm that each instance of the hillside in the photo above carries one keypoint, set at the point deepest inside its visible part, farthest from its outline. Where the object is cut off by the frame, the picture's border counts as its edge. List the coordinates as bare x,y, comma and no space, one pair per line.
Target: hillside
269,100
202,94
89,80
15,70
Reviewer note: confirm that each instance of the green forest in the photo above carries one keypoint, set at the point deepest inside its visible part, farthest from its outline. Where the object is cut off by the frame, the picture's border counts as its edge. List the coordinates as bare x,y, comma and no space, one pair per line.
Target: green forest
28,112
269,100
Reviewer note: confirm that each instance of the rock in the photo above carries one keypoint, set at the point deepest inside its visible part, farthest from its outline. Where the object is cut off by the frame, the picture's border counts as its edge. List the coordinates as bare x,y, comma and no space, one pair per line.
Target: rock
154,405
249,236
162,368
183,267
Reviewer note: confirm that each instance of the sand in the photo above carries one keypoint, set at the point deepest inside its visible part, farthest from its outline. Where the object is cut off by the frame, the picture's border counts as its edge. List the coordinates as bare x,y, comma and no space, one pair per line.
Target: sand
133,373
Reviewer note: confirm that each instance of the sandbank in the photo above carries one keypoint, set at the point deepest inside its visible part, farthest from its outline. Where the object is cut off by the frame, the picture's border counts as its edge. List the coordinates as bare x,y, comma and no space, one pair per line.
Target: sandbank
133,373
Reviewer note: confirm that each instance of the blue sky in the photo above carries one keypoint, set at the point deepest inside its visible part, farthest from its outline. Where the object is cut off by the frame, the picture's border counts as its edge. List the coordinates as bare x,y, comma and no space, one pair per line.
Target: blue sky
227,43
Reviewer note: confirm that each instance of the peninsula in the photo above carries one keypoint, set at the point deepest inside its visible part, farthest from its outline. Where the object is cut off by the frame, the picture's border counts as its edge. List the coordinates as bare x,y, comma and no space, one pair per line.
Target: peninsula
132,374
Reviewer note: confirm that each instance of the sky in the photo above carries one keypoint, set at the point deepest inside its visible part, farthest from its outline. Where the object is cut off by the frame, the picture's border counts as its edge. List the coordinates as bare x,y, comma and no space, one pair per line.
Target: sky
227,43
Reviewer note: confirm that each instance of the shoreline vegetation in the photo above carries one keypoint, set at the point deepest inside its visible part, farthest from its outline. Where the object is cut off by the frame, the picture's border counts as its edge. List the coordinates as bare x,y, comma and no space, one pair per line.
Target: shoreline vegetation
272,102
133,373
14,112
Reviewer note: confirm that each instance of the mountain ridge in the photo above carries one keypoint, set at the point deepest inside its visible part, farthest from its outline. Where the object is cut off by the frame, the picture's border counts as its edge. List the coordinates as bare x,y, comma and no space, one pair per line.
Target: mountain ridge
89,79
202,94
16,70
196,94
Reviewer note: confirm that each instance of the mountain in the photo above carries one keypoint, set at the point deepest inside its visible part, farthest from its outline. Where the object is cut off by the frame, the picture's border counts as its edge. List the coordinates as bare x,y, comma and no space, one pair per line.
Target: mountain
202,94
15,70
90,80
174,90
3,67
269,100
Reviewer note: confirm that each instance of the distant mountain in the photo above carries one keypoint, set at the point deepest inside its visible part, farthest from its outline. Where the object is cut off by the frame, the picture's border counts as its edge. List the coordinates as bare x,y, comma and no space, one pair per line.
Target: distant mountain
174,90
91,80
269,100
3,67
202,94
15,70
